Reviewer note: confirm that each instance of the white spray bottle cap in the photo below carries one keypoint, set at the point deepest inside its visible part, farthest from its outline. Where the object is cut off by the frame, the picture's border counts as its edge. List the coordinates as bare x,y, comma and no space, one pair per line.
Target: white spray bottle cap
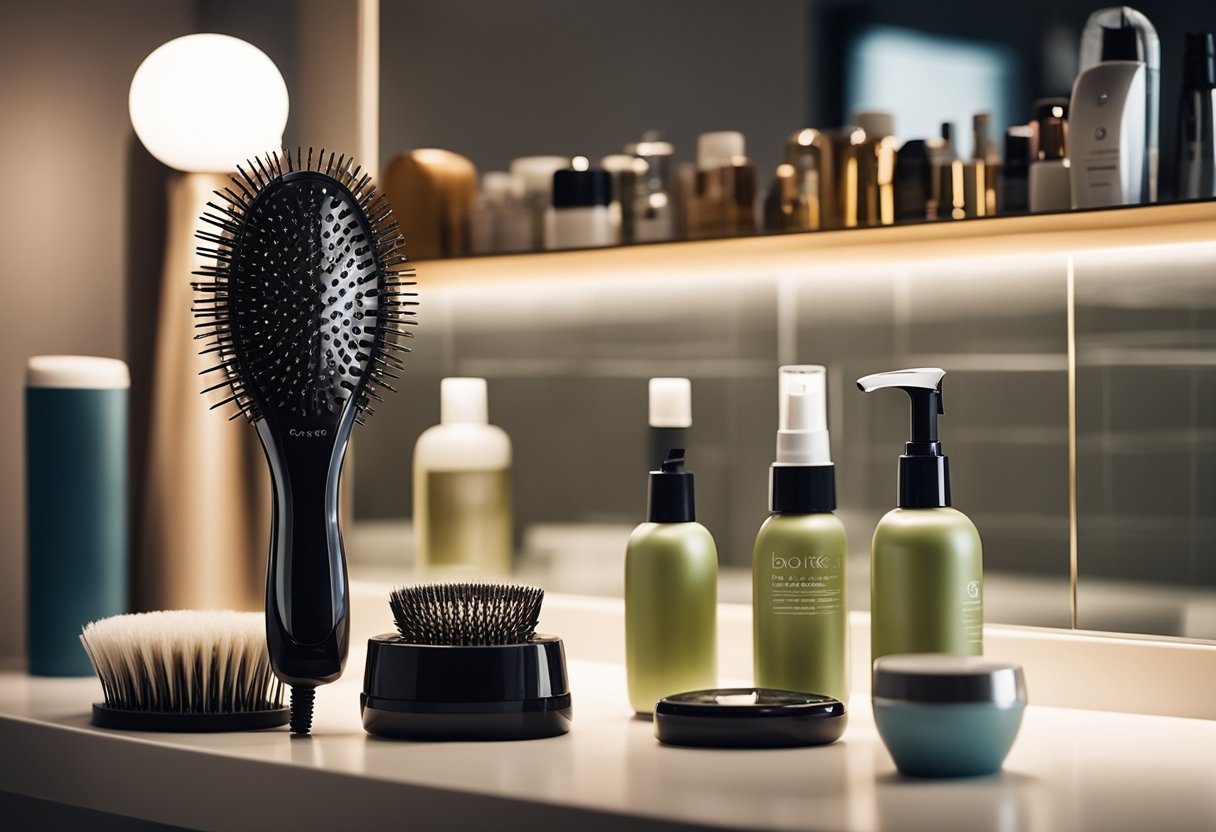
463,401
802,435
670,403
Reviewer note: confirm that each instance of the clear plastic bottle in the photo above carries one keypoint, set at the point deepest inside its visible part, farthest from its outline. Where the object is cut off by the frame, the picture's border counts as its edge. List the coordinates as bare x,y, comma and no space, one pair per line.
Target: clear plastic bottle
462,489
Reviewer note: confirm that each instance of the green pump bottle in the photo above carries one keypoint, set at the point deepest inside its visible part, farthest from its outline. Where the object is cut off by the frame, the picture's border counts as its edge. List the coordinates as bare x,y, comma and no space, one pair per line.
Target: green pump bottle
926,561
800,617
671,594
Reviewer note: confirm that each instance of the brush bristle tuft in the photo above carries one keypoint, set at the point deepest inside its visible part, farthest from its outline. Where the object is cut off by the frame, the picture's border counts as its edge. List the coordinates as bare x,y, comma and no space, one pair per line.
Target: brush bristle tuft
466,614
183,662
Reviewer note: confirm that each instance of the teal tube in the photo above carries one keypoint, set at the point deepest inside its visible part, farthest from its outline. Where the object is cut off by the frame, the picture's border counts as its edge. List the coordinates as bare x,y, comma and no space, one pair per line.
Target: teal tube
77,536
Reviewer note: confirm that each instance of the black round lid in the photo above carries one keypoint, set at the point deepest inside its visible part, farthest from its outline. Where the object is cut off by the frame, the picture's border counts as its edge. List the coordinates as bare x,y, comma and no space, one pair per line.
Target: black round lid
941,678
581,188
749,718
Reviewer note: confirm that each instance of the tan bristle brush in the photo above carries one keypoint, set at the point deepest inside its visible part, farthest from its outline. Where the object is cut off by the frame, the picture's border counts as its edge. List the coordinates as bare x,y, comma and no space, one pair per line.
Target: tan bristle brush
184,671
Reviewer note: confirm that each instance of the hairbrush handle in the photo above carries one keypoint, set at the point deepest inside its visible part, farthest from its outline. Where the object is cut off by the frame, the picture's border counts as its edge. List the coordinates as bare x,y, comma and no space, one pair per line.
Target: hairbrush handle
307,598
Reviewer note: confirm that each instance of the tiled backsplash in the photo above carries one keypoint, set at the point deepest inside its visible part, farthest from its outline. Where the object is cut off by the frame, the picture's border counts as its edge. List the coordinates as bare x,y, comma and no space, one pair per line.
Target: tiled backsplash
567,363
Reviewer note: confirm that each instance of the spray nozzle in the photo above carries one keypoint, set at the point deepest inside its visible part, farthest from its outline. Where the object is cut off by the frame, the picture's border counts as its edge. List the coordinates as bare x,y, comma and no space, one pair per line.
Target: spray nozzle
924,479
674,464
802,429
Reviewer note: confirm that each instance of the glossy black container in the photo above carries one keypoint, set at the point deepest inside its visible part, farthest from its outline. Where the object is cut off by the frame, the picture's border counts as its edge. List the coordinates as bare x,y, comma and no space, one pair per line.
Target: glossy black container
749,718
493,692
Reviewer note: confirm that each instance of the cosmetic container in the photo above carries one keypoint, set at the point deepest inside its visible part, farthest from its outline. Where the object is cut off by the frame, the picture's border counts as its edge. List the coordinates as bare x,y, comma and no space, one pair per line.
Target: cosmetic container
671,594
799,197
76,504
479,692
1197,119
749,718
800,617
949,192
669,417
1013,191
876,168
926,562
1113,114
647,194
462,489
1049,178
981,173
498,222
534,189
434,192
947,716
915,182
581,215
722,202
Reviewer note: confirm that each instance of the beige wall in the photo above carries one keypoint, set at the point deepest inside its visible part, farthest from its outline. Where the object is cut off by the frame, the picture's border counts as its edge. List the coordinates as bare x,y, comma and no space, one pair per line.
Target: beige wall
64,71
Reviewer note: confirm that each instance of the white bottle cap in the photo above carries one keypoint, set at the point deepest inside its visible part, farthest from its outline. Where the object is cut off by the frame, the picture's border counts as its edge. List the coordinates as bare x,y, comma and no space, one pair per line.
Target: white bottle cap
802,435
876,123
670,403
534,174
497,185
618,163
77,371
720,149
463,401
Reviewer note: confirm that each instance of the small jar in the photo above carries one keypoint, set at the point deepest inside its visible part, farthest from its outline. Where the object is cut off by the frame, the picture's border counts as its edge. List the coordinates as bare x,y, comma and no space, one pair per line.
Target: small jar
947,716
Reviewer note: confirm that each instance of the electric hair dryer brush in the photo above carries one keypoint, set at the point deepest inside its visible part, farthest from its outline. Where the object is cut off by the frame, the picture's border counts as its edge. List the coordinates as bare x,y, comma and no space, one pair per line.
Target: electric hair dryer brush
303,309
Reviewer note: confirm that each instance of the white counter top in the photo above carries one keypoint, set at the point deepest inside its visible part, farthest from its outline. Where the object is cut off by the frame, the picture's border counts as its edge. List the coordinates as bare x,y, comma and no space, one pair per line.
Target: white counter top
1070,770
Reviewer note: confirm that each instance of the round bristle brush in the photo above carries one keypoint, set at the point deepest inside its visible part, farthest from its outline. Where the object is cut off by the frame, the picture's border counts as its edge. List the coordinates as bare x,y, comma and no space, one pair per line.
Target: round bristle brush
466,663
184,671
303,310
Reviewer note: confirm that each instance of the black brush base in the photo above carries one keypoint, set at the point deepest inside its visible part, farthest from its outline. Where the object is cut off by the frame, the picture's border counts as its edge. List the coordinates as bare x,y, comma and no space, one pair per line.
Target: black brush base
104,717
492,692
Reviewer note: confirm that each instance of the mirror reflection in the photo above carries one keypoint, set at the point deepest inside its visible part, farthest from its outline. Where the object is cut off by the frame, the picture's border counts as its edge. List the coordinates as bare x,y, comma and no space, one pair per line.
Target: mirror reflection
577,128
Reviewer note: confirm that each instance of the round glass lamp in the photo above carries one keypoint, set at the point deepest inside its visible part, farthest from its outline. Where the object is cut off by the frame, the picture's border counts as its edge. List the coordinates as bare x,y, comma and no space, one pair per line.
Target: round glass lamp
204,103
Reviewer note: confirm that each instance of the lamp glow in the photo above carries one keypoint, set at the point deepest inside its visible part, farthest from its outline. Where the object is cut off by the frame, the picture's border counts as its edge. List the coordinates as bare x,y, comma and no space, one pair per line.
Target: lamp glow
204,103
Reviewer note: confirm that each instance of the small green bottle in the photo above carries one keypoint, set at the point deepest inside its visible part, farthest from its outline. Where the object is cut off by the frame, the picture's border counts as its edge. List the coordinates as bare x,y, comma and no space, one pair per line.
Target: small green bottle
671,594
926,560
800,616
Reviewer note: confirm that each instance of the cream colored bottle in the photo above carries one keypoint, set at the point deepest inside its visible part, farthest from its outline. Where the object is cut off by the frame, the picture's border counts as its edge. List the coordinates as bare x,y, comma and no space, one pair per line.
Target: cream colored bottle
462,489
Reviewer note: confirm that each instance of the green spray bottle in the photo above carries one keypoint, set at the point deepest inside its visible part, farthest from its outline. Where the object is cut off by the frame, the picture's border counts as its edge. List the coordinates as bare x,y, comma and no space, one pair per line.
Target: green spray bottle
926,561
671,594
800,617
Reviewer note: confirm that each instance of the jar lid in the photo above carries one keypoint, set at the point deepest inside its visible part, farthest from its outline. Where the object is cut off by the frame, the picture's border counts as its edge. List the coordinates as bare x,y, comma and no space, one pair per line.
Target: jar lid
936,677
749,718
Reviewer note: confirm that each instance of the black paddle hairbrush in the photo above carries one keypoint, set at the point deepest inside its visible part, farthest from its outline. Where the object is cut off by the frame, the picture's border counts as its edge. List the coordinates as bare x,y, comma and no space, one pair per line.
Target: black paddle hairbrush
304,308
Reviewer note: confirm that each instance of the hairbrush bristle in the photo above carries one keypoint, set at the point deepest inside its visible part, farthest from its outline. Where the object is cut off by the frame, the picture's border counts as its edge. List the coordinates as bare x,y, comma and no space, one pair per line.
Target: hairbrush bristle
183,662
306,303
466,614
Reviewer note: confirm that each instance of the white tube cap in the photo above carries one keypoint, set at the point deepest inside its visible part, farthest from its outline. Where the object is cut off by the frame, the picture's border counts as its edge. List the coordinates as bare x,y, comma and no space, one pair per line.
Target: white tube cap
534,174
802,435
720,149
670,403
463,401
77,371
497,184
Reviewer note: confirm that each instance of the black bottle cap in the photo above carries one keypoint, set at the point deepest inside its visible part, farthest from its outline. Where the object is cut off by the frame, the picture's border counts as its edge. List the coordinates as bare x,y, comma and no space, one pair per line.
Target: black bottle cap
581,188
670,496
1199,61
801,489
924,472
1120,44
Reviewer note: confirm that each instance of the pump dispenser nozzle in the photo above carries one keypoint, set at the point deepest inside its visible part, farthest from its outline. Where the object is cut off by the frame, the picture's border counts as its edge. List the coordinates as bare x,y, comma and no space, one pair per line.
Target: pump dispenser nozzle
670,495
924,473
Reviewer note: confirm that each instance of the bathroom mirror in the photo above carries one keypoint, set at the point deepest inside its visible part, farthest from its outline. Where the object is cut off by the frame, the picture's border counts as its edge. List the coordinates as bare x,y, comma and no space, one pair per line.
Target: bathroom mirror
1088,369
489,83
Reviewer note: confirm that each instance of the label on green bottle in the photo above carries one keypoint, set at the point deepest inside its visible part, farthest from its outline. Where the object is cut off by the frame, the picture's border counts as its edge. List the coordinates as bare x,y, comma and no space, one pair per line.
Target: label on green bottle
805,584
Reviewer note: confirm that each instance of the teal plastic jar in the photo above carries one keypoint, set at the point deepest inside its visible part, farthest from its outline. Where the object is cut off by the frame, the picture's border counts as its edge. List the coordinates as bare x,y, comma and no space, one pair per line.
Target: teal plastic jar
76,487
948,716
